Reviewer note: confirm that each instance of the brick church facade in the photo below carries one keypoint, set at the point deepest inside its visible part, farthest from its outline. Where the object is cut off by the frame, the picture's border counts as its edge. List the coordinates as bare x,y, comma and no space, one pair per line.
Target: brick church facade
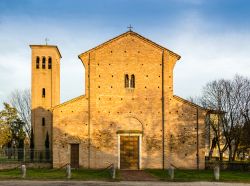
129,114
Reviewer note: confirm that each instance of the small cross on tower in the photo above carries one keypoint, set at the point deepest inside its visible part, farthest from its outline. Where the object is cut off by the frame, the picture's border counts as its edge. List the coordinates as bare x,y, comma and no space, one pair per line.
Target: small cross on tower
46,40
130,27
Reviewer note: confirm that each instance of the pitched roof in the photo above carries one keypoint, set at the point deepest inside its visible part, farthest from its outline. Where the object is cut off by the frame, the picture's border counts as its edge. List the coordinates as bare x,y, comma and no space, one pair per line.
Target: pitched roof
198,106
134,34
69,101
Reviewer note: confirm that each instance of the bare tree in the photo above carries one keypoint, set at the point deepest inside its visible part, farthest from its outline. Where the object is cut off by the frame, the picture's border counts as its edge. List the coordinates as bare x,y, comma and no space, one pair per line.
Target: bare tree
211,99
232,97
21,100
194,99
218,139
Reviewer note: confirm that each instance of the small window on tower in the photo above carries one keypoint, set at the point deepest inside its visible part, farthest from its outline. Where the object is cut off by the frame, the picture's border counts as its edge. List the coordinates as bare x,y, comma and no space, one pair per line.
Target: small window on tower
43,64
43,121
132,82
43,93
49,63
126,81
37,62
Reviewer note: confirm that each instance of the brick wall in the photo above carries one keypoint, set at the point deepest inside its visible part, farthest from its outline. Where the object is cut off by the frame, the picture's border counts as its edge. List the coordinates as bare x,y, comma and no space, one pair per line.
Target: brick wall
108,107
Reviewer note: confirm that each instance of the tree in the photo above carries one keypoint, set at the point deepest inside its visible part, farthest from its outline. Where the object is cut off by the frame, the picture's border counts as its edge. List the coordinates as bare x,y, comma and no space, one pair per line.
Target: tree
47,147
233,98
21,100
47,141
5,134
218,139
245,138
214,121
20,145
32,145
10,119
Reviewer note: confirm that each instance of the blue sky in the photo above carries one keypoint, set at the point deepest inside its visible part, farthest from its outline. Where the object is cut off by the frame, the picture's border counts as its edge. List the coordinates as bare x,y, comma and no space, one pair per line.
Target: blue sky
212,36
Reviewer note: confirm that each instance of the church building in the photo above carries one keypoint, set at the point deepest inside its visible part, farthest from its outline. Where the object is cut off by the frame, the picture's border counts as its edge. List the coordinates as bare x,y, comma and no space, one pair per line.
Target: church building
129,115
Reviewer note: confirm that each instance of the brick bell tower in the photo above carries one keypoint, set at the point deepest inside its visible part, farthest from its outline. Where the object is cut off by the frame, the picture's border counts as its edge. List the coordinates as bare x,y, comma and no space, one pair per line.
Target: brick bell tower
45,91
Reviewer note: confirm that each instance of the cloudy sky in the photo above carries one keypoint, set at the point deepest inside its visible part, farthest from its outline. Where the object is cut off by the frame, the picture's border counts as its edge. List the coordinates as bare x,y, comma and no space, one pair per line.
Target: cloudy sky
212,36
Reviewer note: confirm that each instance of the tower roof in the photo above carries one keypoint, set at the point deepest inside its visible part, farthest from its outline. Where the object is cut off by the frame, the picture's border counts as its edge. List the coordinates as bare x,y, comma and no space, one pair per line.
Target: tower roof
47,46
130,32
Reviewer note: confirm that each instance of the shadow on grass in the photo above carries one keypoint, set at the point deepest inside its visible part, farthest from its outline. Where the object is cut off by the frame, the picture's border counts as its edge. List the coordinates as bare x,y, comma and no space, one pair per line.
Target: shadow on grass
201,175
55,174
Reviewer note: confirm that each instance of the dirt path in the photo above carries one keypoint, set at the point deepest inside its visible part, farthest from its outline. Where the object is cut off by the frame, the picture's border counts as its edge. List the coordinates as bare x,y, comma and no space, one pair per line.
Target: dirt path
136,175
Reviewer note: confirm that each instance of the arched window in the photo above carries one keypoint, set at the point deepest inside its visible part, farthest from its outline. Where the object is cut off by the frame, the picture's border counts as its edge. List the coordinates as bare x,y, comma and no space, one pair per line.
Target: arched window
37,62
132,81
43,121
126,81
49,63
43,92
43,63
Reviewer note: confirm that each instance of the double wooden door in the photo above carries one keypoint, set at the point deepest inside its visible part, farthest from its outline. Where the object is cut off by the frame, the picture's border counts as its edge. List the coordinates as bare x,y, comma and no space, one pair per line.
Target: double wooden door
129,152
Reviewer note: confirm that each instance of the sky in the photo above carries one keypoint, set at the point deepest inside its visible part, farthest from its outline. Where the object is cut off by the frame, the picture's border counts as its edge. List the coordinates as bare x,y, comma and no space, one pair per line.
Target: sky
212,37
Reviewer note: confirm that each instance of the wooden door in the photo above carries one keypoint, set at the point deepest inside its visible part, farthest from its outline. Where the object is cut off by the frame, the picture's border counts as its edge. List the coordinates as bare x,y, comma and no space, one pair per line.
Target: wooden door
74,156
129,152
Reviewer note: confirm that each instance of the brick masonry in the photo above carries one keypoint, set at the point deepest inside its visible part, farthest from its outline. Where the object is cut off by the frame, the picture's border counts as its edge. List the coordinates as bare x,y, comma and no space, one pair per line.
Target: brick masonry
48,79
96,119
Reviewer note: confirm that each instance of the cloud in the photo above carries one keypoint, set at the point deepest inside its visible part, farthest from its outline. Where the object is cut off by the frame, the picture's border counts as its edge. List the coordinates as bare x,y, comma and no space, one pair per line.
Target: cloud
207,53
208,48
15,55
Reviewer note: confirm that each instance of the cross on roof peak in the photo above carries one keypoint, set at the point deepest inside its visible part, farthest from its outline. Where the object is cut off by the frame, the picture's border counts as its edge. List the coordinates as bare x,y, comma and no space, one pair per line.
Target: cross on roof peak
130,27
46,41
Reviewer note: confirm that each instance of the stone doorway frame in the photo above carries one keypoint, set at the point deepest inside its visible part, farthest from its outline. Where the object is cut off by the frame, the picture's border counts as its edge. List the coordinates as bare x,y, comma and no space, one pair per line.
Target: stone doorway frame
118,147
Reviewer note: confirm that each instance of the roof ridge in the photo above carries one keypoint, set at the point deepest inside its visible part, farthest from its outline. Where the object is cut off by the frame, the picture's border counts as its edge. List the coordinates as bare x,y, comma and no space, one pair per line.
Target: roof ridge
69,101
196,105
189,102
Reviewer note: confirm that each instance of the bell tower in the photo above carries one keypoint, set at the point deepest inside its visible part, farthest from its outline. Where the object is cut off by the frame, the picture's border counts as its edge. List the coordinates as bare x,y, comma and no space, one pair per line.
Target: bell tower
45,91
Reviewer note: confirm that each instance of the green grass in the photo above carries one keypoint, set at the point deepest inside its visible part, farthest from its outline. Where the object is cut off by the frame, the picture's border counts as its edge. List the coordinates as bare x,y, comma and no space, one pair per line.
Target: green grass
86,174
202,175
55,174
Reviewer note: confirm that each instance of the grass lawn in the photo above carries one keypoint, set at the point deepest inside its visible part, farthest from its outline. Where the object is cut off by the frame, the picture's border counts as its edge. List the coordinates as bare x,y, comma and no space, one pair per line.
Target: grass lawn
55,174
85,174
202,175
